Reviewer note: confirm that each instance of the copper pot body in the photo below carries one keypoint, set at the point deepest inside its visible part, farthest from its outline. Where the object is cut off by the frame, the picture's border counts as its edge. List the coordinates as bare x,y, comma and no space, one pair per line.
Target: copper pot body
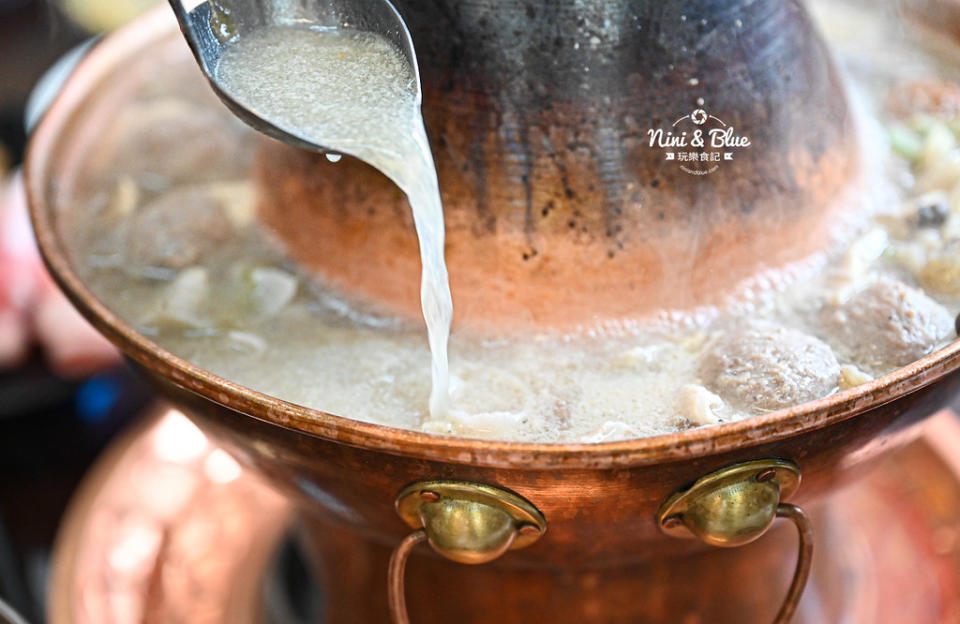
599,500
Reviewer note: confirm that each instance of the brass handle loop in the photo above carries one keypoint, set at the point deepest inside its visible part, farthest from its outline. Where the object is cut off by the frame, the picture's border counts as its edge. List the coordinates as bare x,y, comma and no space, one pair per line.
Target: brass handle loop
735,505
465,522
396,598
804,559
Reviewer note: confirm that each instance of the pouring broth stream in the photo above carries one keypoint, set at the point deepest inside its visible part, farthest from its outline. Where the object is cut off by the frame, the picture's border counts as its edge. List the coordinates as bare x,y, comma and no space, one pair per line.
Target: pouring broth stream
354,92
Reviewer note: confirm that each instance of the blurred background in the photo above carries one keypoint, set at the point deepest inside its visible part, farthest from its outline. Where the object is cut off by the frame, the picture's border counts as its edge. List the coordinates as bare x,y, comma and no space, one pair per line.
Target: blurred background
64,392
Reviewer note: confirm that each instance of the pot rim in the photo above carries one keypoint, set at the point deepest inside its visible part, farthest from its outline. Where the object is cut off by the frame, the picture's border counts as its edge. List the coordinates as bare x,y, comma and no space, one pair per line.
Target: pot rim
106,57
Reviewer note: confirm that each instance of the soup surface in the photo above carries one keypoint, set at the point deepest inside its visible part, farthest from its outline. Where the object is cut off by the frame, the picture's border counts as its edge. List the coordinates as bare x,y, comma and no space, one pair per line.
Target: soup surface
162,226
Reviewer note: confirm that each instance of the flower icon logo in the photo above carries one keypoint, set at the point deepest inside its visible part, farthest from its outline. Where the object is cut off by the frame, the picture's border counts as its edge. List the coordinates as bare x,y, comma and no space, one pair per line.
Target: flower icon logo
700,149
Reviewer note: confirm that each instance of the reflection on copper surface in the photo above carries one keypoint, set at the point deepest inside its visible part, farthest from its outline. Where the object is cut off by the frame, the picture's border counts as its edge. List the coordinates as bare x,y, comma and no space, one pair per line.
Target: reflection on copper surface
170,529
163,532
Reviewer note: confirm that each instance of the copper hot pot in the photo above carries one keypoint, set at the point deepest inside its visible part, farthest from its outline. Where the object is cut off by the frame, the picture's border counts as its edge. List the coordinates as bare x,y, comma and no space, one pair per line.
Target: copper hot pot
608,553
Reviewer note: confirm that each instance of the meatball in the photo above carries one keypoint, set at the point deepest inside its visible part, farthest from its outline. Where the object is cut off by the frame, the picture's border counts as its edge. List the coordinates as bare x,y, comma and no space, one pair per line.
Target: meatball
763,366
177,230
885,325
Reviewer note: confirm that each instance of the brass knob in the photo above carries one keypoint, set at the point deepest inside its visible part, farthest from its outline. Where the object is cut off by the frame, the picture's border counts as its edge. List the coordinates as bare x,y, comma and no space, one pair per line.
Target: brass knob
731,506
734,514
465,522
470,522
736,505
466,531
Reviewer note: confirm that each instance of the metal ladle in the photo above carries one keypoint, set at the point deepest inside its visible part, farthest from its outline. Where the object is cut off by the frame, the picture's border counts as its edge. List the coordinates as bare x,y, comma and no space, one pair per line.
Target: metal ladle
210,26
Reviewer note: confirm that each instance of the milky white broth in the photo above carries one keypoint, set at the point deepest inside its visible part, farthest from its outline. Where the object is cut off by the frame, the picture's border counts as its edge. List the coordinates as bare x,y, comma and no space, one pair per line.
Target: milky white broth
163,230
